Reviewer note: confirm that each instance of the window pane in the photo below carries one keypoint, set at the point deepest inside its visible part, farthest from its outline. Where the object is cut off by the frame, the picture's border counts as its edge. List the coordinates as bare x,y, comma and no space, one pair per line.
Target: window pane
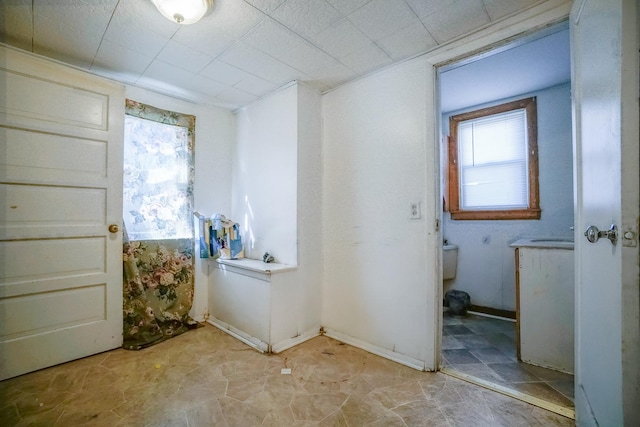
499,186
493,162
497,138
156,202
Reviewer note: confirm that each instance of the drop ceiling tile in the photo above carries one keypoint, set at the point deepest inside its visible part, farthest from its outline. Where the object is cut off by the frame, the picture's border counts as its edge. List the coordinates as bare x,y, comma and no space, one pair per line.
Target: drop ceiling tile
259,63
67,44
116,60
203,85
236,97
366,59
380,18
306,18
168,79
332,76
427,7
86,17
407,42
166,72
228,22
16,26
341,39
142,14
135,38
457,19
223,72
347,6
184,57
500,8
255,85
267,6
278,42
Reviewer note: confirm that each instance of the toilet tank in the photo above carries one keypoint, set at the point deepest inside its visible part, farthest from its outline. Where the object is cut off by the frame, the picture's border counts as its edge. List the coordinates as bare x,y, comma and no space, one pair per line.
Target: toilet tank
449,261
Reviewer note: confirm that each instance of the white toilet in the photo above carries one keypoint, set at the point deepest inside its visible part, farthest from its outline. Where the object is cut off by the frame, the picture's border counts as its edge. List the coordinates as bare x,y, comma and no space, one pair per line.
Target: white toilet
449,261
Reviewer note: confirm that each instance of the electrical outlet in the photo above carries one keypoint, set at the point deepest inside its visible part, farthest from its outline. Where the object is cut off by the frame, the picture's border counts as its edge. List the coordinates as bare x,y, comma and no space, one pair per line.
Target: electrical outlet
415,210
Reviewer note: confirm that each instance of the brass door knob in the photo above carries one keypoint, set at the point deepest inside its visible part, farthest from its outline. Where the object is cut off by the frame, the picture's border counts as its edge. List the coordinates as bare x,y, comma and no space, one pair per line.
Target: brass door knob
113,228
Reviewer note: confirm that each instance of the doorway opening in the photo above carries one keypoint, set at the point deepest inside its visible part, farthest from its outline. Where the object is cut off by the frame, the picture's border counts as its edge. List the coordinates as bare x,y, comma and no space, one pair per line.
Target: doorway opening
484,345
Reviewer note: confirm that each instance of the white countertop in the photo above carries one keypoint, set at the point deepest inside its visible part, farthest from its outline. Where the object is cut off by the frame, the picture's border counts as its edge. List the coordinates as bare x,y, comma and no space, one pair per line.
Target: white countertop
257,265
544,243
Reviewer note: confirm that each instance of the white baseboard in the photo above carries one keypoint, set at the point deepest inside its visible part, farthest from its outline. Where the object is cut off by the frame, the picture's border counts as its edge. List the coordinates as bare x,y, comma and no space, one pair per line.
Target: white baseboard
379,351
254,342
291,342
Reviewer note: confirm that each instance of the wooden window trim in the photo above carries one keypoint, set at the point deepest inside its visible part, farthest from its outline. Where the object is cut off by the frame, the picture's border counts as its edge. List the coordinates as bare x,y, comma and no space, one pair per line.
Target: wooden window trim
453,202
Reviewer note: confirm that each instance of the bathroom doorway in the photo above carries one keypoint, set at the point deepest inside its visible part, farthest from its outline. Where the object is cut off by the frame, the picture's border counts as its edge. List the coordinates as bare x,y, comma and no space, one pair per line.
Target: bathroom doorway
482,345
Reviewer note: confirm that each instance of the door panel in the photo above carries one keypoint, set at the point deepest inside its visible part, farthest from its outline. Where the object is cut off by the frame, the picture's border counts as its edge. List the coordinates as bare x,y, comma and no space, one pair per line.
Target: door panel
61,136
605,89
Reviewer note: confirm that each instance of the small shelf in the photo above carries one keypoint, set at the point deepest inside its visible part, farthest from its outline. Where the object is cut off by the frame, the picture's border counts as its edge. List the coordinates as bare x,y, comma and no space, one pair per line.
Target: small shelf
257,265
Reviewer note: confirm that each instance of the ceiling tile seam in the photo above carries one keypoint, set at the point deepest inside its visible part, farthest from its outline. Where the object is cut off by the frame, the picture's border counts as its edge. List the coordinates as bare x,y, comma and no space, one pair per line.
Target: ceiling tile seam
103,34
492,23
216,58
421,23
155,58
484,6
337,60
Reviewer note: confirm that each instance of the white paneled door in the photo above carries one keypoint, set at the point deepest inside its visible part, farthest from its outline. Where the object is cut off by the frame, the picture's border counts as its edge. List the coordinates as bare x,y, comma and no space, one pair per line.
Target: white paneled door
61,136
604,40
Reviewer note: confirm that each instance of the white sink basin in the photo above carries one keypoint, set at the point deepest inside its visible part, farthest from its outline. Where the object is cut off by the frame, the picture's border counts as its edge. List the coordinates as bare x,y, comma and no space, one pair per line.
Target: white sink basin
544,242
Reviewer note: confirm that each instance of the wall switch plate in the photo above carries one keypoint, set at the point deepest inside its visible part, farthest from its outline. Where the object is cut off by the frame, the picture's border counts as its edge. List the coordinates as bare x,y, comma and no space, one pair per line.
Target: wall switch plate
415,210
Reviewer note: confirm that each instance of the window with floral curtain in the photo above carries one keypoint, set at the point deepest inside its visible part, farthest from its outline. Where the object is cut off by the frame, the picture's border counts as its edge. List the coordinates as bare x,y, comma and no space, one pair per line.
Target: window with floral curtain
158,224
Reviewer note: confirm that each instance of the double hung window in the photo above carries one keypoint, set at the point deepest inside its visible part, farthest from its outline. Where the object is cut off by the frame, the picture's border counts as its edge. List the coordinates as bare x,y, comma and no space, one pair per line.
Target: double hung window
493,163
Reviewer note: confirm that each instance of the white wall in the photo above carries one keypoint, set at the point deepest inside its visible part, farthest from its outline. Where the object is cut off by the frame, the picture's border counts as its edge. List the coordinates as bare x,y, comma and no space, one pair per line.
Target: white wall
486,263
264,196
215,135
276,197
309,214
376,278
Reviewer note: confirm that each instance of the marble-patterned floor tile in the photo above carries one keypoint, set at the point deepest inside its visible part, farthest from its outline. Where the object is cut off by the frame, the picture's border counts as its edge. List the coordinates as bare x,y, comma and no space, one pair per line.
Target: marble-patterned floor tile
315,407
391,397
361,410
207,378
422,413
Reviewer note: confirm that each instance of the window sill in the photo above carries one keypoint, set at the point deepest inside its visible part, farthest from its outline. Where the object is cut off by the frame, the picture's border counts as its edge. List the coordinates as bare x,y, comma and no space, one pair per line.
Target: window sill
496,215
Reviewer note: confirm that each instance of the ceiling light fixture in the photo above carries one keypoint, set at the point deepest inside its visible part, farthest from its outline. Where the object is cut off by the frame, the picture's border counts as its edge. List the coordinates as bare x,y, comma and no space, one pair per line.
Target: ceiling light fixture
183,11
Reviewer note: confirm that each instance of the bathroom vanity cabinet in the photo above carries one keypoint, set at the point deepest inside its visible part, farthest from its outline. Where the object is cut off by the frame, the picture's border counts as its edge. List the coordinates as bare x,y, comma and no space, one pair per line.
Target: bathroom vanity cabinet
545,303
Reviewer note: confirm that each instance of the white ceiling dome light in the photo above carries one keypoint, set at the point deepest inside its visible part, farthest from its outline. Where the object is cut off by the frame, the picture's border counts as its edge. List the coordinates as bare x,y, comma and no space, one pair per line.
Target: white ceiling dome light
184,11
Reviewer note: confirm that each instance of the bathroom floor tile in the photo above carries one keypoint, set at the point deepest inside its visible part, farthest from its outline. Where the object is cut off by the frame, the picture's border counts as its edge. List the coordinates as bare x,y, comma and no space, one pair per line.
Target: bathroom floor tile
490,355
565,387
449,342
456,330
459,356
472,341
492,343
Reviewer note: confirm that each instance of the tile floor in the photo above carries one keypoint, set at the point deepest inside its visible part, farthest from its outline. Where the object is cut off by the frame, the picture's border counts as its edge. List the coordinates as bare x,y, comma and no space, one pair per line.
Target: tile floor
485,348
207,378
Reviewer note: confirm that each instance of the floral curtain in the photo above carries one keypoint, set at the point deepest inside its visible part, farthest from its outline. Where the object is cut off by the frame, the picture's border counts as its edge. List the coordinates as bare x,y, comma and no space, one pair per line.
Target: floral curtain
158,223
